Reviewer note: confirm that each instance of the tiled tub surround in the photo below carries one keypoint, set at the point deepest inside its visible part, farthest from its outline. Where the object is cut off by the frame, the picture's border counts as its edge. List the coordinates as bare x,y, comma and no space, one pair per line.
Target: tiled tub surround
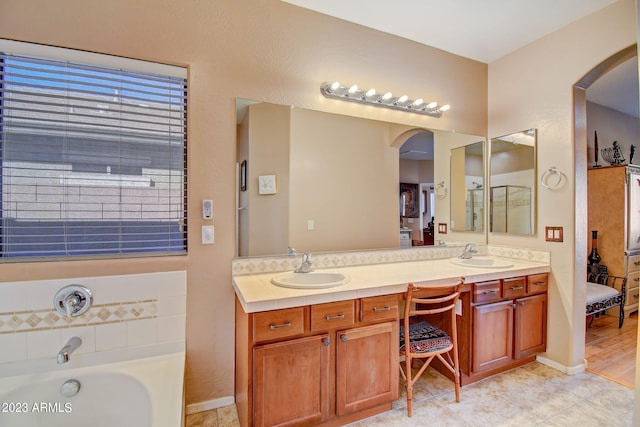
373,273
129,313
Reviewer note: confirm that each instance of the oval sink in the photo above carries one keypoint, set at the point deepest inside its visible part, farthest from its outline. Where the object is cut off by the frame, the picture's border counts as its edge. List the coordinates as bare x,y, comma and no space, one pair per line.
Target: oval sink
482,262
312,280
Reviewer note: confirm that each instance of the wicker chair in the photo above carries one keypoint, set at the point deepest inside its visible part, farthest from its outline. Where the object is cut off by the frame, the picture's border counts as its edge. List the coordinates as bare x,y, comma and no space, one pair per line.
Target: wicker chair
604,292
420,339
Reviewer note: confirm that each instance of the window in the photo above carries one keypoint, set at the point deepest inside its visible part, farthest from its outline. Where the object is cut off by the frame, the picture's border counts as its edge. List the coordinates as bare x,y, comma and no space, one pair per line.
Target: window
92,157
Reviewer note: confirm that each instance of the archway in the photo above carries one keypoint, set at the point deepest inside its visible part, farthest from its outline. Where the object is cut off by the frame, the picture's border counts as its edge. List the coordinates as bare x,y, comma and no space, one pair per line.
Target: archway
581,194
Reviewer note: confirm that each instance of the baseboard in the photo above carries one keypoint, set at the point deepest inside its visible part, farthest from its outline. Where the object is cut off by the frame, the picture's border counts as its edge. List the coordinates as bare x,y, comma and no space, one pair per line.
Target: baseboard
208,405
569,370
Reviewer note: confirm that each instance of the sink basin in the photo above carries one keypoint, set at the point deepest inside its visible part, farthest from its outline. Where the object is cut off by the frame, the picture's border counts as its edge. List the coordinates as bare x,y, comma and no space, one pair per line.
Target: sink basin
482,262
313,280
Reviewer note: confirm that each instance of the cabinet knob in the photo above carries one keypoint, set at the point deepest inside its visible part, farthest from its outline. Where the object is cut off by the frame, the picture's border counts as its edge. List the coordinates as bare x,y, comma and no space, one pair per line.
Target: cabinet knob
517,288
540,283
282,325
343,338
521,303
326,342
512,305
379,309
490,292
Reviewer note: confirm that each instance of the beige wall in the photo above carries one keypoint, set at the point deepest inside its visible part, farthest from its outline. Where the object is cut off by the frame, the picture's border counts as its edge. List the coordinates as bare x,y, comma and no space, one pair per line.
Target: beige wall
532,87
611,125
259,49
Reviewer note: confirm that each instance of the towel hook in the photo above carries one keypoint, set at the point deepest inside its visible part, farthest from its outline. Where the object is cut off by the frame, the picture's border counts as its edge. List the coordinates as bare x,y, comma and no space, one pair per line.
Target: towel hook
546,180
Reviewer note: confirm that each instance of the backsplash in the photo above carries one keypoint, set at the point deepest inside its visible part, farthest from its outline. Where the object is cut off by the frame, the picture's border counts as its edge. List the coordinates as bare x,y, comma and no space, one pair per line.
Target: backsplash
128,311
257,265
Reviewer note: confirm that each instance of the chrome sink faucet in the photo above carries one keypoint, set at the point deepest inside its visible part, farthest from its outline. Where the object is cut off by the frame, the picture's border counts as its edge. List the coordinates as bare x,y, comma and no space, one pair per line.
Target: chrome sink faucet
305,267
468,252
71,346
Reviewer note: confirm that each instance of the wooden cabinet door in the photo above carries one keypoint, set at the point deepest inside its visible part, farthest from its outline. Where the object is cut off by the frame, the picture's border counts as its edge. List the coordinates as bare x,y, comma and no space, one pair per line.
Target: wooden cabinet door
492,335
292,382
531,325
366,367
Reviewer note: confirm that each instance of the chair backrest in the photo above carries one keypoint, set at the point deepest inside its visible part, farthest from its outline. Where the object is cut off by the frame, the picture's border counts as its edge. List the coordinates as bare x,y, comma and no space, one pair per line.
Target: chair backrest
430,300
600,278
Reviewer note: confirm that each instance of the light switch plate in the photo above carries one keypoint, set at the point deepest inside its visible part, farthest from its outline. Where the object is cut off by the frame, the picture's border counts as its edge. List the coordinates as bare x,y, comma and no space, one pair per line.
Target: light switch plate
267,184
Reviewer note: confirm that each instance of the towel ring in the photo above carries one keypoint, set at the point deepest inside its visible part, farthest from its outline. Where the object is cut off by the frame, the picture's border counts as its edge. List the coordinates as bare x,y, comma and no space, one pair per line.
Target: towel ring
441,190
549,183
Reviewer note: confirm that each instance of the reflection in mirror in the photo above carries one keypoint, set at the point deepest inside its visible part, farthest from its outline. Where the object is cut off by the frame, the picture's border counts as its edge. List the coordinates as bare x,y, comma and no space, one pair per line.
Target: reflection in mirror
336,180
512,178
467,188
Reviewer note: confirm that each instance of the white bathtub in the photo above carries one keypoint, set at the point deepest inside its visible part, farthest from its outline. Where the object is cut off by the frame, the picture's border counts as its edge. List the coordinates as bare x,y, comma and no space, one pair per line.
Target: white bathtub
144,392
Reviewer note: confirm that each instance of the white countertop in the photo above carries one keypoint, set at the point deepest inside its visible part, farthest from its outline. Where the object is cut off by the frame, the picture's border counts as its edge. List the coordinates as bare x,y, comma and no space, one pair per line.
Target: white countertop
256,292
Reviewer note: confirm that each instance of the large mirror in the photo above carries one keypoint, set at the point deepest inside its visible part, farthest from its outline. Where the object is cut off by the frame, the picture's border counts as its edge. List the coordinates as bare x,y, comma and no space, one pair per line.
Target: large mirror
512,177
322,182
467,188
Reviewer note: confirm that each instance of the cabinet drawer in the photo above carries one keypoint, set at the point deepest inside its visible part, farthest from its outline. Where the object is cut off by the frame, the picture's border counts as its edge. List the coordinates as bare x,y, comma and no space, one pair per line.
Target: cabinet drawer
277,324
633,263
513,287
633,279
487,291
633,296
332,315
379,308
537,283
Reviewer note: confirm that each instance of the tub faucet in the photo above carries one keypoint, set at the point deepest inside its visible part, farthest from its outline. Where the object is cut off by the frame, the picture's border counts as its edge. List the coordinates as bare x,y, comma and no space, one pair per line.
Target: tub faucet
69,347
305,267
468,252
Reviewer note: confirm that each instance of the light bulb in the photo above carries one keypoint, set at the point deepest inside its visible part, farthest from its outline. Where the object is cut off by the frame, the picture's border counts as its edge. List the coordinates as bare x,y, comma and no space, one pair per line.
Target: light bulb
353,89
387,96
418,102
403,98
432,105
334,86
445,107
370,93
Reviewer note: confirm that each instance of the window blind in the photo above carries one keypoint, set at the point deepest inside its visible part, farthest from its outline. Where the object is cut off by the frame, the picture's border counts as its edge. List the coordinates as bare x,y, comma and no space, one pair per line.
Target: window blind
92,158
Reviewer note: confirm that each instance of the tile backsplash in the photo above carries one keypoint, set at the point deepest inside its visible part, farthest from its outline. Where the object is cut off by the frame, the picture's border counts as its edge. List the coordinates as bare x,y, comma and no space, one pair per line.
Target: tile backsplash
127,311
257,265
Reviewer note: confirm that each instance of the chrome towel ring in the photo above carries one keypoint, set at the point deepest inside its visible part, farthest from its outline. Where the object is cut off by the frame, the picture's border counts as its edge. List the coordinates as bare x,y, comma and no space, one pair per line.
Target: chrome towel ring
552,178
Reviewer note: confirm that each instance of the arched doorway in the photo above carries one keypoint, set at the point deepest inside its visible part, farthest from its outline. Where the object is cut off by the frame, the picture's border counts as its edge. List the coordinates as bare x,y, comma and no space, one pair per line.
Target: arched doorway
581,193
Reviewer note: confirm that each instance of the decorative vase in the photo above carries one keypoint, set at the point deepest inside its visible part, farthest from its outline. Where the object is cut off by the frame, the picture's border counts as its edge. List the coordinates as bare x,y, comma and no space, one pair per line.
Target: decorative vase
594,256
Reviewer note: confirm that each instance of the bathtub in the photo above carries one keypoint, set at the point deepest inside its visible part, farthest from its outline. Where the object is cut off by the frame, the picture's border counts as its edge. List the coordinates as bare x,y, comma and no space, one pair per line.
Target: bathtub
144,391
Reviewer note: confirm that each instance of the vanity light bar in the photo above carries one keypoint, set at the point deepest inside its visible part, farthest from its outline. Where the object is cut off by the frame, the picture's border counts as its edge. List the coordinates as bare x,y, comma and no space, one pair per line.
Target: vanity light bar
370,97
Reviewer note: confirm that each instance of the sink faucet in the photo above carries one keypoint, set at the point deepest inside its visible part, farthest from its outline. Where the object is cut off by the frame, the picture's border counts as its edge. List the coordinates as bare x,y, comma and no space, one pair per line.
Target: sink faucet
305,267
468,252
69,347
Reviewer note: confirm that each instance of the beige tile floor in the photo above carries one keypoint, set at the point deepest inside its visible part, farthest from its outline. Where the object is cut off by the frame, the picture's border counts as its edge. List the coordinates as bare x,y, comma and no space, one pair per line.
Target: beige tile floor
532,395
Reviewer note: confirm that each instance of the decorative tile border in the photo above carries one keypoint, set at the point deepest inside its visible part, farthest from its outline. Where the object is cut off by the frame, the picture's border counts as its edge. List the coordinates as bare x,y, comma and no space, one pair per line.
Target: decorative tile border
274,264
38,320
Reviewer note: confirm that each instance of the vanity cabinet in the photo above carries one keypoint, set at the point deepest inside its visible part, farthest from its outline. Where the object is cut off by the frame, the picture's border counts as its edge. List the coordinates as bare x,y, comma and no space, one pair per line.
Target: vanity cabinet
509,318
320,364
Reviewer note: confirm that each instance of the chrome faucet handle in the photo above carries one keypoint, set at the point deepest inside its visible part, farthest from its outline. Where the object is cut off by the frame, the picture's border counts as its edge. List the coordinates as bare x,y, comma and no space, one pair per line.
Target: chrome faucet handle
305,267
292,251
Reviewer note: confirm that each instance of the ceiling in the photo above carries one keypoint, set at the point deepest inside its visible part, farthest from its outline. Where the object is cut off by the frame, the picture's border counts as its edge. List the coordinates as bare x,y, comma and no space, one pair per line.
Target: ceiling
485,31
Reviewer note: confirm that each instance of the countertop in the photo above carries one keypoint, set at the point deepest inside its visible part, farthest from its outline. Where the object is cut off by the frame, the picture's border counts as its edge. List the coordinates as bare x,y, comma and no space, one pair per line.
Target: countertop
256,292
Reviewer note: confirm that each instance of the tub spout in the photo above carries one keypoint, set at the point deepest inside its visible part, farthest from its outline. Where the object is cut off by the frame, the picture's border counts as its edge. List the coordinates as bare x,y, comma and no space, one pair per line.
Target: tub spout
69,347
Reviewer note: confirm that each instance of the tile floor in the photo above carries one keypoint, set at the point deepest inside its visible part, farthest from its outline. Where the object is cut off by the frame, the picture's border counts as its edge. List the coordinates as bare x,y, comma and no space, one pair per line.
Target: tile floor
532,395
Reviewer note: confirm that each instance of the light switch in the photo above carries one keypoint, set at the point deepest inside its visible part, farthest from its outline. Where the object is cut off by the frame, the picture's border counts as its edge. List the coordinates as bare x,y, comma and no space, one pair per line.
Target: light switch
207,209
310,224
267,184
207,235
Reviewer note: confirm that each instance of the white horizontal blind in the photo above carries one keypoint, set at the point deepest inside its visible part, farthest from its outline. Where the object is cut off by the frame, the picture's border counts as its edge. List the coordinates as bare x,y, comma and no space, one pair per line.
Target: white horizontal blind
93,160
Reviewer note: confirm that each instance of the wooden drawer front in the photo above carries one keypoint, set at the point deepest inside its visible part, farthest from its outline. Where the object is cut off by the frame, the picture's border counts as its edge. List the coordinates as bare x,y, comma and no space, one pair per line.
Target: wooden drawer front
537,283
633,263
276,324
487,291
633,279
332,315
514,287
379,308
633,296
